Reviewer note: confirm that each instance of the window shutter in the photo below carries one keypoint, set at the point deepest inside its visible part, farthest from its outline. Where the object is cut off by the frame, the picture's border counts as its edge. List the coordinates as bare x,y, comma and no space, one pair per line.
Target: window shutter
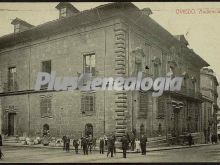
161,107
143,104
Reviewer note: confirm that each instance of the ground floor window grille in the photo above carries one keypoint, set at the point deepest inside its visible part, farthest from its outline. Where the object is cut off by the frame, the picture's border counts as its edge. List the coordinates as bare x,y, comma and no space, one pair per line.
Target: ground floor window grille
45,106
161,108
143,104
88,102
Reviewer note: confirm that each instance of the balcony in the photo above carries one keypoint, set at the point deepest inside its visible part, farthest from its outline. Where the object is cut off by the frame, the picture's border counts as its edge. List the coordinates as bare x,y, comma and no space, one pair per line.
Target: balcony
189,93
10,87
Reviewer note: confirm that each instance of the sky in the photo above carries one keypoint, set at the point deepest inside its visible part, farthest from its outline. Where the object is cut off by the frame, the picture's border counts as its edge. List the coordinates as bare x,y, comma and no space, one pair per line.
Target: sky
202,30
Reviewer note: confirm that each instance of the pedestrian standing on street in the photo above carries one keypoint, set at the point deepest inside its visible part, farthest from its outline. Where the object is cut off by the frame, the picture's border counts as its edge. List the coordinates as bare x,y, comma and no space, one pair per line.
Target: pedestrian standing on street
90,139
110,144
132,142
84,143
125,143
212,138
216,139
1,154
137,145
106,140
0,140
94,143
190,139
143,141
101,145
81,142
114,140
64,142
67,144
76,145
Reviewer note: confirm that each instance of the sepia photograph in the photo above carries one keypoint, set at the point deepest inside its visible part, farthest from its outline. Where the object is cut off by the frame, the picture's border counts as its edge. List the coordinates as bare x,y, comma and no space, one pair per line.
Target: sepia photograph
109,82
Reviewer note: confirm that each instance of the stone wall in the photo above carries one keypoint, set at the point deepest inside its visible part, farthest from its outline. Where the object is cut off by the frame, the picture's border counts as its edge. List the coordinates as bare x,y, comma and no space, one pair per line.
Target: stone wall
66,52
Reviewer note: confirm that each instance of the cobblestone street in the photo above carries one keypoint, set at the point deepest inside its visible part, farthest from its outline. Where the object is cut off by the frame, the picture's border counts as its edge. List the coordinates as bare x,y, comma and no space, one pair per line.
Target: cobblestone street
209,153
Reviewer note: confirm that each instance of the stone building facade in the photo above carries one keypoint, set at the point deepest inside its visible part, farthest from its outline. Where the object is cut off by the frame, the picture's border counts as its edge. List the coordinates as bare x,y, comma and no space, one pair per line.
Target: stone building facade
210,107
112,40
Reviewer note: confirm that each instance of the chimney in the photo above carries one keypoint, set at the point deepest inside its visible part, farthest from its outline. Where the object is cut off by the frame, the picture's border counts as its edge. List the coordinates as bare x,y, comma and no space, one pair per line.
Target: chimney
182,39
146,11
66,9
20,25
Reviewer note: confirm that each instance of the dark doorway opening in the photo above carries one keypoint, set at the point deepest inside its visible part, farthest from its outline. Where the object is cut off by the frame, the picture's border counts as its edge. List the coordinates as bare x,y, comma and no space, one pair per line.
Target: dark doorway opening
45,129
89,129
11,124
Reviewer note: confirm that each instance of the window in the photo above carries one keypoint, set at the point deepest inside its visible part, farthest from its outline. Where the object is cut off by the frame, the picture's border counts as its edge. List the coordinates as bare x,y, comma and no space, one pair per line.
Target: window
161,108
88,102
194,87
142,129
138,67
45,106
16,28
89,63
88,129
46,66
143,104
63,12
12,78
156,70
172,70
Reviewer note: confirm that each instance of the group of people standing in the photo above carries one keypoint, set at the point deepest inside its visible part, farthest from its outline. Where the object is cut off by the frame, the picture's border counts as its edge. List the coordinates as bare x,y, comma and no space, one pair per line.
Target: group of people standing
88,143
125,141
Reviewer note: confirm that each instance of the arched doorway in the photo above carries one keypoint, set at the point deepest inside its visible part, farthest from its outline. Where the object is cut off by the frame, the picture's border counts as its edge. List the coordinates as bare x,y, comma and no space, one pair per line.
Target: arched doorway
46,129
88,129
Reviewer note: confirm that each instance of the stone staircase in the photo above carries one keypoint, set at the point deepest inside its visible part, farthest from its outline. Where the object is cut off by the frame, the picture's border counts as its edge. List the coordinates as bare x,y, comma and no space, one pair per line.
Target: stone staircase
157,142
9,139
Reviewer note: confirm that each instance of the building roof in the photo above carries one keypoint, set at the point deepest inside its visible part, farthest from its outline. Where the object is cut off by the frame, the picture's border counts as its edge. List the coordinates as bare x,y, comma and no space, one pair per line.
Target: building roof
125,9
182,39
18,20
210,72
67,5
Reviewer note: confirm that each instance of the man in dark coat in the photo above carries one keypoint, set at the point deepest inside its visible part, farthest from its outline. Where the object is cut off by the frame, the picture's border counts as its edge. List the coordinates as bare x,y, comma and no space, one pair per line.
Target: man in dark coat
64,142
110,144
1,154
114,140
190,139
76,145
0,140
67,144
85,145
101,145
125,142
81,142
212,138
90,142
94,143
143,141
132,138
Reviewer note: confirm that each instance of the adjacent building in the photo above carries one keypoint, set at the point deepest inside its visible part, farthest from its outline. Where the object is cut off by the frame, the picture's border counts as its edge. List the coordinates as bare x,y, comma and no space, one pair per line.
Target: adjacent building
116,39
210,107
218,115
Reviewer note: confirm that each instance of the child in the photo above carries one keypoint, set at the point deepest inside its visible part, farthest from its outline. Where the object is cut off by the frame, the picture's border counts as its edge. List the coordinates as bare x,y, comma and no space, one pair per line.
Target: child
137,145
1,154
